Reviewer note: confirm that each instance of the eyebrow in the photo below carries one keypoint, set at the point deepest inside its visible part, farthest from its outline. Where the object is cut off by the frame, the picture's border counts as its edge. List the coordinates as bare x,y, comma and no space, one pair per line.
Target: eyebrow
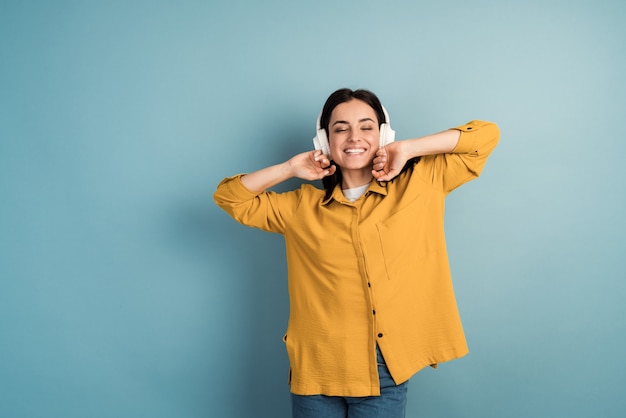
360,121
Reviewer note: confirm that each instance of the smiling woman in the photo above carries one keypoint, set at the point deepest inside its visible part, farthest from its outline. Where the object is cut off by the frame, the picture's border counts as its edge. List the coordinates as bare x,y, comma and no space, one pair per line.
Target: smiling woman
360,324
354,137
362,106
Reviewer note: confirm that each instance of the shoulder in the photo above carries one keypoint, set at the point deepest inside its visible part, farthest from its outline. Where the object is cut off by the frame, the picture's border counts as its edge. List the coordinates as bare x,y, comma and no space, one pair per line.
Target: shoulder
413,180
310,191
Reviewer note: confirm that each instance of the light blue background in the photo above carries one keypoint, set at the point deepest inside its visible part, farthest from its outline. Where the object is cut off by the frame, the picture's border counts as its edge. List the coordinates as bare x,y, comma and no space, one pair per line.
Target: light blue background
125,292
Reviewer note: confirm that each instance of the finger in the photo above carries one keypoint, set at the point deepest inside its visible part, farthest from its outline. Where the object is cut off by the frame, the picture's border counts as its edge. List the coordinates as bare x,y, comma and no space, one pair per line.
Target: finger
380,159
328,171
324,161
382,175
379,175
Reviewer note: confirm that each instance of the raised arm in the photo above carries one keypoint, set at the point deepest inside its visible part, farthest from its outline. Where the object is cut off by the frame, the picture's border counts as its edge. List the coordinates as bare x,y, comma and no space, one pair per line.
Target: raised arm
311,165
449,158
391,159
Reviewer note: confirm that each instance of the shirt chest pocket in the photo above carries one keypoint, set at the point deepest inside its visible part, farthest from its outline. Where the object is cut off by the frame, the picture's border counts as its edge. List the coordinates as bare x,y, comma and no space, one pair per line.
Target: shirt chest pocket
404,240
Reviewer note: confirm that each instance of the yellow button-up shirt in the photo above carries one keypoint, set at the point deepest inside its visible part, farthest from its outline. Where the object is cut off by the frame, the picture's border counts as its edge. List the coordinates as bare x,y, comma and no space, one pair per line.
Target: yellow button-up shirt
370,272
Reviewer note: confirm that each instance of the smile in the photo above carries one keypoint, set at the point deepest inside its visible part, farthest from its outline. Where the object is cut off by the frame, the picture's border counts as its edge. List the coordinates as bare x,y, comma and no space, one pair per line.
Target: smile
354,151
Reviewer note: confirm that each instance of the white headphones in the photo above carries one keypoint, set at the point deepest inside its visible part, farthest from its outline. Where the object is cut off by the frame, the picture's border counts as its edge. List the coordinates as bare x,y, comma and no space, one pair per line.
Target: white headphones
387,135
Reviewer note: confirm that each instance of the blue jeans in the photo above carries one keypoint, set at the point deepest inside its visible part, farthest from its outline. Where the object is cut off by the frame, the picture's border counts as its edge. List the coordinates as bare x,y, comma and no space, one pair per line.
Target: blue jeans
390,404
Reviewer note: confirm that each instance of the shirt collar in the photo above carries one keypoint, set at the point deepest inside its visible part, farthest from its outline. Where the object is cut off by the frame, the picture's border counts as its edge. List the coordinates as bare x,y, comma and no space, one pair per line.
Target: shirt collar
375,187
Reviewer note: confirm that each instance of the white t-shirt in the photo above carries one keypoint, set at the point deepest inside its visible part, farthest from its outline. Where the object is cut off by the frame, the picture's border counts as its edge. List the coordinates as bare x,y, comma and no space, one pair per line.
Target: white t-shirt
355,193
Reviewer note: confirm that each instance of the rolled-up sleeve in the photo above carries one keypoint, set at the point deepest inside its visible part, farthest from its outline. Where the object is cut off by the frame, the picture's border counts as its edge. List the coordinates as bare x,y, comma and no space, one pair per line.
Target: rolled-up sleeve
268,211
466,161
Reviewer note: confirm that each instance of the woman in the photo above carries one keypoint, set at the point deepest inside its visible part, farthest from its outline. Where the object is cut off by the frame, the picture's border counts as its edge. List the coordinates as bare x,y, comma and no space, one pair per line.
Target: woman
371,298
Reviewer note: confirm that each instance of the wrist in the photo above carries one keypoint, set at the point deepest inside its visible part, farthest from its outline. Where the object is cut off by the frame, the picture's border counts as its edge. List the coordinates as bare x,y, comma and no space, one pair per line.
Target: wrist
410,148
288,169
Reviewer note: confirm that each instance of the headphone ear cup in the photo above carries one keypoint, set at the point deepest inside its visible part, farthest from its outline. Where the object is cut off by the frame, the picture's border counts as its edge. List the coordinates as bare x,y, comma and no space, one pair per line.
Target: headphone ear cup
387,135
321,142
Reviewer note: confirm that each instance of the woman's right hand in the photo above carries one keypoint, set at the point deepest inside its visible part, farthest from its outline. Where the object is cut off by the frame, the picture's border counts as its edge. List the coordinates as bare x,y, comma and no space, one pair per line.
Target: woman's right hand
311,165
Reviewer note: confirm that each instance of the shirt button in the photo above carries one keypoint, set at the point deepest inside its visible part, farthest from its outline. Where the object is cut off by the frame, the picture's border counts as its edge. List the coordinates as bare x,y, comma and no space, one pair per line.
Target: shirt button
380,335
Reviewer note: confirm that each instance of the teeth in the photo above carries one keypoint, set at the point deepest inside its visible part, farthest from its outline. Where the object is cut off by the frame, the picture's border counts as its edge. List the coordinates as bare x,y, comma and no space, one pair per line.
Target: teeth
355,151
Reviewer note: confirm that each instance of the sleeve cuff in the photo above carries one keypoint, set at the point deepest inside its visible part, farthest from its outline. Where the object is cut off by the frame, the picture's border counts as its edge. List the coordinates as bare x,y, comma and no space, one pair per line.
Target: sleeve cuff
237,188
467,141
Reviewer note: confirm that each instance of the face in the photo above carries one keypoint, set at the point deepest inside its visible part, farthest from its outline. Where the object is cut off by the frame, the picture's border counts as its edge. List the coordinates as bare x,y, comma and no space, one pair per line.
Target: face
354,136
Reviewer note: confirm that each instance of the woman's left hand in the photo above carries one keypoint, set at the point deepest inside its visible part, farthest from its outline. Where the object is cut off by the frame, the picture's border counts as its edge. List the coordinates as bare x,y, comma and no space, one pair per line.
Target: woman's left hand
389,161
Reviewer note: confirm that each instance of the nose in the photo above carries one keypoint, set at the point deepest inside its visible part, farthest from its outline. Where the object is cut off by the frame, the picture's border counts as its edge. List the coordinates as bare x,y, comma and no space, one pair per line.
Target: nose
354,137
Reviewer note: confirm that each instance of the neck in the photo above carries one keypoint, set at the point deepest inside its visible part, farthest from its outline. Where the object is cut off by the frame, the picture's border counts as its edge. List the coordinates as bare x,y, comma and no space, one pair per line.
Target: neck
352,179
